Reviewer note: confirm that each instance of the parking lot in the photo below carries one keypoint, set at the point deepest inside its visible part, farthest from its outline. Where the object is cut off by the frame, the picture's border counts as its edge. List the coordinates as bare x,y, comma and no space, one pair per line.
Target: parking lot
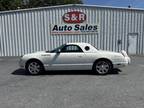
73,89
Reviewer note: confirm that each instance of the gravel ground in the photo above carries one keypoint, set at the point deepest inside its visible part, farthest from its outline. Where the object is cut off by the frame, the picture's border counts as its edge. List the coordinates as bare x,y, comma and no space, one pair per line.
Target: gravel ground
75,89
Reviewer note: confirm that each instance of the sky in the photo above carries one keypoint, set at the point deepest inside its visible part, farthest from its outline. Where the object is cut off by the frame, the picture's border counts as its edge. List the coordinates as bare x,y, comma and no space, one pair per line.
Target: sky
117,3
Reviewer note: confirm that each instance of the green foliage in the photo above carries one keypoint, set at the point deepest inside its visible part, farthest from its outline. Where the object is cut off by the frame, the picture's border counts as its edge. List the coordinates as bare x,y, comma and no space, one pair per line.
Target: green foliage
40,3
10,4
16,4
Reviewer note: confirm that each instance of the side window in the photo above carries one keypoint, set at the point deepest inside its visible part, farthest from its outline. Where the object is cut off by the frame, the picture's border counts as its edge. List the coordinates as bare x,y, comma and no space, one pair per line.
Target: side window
87,48
71,48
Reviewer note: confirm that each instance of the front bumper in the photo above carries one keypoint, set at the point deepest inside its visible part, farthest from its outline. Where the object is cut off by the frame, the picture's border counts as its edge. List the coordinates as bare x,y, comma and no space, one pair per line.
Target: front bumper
22,63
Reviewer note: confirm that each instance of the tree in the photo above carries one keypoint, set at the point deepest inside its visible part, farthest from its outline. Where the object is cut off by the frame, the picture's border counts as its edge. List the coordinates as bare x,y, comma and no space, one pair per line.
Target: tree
16,4
41,3
10,4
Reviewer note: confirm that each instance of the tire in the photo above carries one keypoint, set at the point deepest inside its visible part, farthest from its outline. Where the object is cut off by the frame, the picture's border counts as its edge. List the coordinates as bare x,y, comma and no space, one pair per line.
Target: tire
102,67
34,67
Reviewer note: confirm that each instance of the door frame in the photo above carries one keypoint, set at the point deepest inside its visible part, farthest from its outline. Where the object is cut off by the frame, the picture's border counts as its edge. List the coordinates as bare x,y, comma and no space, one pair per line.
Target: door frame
132,34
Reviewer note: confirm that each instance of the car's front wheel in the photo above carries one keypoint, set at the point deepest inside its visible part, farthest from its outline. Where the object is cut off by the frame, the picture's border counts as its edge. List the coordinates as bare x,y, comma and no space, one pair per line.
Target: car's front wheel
102,67
34,67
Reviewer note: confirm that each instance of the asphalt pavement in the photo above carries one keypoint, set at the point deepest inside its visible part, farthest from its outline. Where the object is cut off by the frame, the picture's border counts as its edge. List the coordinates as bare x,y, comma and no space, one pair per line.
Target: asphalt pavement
71,89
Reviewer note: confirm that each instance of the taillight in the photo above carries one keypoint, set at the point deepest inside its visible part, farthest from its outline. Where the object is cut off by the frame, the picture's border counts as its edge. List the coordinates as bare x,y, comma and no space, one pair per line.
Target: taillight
124,53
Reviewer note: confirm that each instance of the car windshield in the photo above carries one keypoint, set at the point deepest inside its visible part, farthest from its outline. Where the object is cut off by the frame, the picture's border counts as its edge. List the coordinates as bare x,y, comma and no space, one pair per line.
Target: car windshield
56,49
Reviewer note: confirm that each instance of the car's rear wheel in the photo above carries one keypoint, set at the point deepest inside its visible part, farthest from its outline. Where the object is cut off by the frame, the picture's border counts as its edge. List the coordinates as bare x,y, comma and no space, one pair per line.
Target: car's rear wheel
102,67
34,67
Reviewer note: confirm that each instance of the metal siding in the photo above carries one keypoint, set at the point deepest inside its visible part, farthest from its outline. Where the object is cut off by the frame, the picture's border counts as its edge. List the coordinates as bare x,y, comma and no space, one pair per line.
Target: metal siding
29,31
120,32
1,42
142,25
137,28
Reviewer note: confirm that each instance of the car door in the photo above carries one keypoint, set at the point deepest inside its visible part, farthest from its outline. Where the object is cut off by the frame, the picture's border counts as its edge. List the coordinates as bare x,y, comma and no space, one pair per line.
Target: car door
71,57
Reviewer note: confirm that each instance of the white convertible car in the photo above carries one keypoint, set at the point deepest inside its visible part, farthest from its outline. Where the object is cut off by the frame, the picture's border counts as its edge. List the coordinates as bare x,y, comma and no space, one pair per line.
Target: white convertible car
74,56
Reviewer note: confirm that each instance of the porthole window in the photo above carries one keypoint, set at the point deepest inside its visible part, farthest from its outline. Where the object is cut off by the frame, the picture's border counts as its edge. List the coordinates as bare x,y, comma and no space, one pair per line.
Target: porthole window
87,48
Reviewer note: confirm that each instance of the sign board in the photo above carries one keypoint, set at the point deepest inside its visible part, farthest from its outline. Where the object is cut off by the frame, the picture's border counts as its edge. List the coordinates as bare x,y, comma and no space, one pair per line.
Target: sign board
74,28
74,23
74,17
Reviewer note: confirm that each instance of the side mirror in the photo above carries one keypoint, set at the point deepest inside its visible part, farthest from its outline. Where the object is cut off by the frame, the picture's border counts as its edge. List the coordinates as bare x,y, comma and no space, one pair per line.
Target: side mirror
58,51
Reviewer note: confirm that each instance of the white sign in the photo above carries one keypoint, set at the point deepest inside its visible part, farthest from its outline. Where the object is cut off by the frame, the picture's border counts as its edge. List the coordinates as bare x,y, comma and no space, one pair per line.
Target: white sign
74,28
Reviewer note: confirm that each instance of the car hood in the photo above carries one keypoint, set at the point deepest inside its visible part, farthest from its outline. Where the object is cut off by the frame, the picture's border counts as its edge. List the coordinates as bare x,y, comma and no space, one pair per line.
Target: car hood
40,52
35,53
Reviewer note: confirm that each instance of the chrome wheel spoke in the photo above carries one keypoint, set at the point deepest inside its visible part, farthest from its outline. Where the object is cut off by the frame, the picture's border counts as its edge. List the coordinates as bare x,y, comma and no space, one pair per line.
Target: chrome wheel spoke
102,67
34,68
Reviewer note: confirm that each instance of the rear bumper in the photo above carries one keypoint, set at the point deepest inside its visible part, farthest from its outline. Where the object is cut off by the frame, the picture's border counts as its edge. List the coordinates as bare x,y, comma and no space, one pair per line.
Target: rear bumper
124,63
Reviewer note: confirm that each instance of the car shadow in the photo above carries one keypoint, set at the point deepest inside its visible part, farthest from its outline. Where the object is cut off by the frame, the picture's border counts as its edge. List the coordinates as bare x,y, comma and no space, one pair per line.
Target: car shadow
76,72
